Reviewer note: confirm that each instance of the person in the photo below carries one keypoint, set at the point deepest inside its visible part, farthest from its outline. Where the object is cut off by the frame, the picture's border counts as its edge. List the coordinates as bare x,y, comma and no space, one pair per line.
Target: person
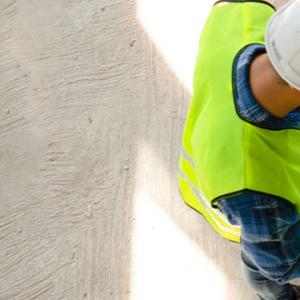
239,165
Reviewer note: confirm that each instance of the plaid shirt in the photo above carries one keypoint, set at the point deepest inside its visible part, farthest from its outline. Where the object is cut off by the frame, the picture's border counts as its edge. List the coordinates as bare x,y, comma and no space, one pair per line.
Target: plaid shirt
270,226
247,106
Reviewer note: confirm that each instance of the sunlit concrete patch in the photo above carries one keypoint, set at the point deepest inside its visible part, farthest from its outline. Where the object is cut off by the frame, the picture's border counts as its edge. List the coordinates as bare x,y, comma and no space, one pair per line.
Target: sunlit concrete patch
175,27
166,264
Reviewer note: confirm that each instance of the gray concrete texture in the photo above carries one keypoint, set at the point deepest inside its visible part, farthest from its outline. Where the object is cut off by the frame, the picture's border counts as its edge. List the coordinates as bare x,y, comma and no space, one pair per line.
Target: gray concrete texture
91,119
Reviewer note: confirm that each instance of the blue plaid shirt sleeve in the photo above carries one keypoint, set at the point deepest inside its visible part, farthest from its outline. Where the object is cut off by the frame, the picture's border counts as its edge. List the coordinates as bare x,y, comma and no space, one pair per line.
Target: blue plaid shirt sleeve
246,105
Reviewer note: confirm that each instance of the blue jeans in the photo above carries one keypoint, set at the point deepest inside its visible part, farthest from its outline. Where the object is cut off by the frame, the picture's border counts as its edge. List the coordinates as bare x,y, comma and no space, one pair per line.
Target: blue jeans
270,242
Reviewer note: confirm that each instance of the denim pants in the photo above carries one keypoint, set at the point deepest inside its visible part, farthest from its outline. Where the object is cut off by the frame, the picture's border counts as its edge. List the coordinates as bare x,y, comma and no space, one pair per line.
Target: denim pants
270,242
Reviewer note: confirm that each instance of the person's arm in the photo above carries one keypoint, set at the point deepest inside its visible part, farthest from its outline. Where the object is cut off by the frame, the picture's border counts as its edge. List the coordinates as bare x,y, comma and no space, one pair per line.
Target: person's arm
270,91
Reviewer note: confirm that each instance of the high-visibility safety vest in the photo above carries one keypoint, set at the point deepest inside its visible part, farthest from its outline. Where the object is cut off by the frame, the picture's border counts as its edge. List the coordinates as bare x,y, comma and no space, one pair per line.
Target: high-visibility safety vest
222,154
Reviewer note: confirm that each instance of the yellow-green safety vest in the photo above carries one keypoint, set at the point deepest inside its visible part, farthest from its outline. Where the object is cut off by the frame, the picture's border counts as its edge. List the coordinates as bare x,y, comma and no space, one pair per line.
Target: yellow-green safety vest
221,153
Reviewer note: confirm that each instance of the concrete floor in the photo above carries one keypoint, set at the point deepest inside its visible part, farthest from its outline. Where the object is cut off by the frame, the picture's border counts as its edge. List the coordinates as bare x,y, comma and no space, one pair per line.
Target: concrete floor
93,100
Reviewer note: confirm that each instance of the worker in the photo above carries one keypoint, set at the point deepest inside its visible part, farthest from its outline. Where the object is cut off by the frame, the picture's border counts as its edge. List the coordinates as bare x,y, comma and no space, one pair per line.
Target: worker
239,164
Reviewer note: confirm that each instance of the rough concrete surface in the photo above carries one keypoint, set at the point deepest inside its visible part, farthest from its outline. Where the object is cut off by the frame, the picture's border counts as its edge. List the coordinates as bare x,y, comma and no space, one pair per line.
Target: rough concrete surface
91,120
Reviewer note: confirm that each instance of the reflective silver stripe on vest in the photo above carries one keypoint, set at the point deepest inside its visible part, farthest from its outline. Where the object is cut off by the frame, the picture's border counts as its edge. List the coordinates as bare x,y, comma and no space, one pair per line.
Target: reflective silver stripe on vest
187,157
181,174
193,188
207,205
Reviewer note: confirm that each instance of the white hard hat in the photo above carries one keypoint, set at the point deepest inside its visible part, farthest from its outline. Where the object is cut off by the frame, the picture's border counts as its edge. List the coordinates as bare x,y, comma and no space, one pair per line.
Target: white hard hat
282,38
